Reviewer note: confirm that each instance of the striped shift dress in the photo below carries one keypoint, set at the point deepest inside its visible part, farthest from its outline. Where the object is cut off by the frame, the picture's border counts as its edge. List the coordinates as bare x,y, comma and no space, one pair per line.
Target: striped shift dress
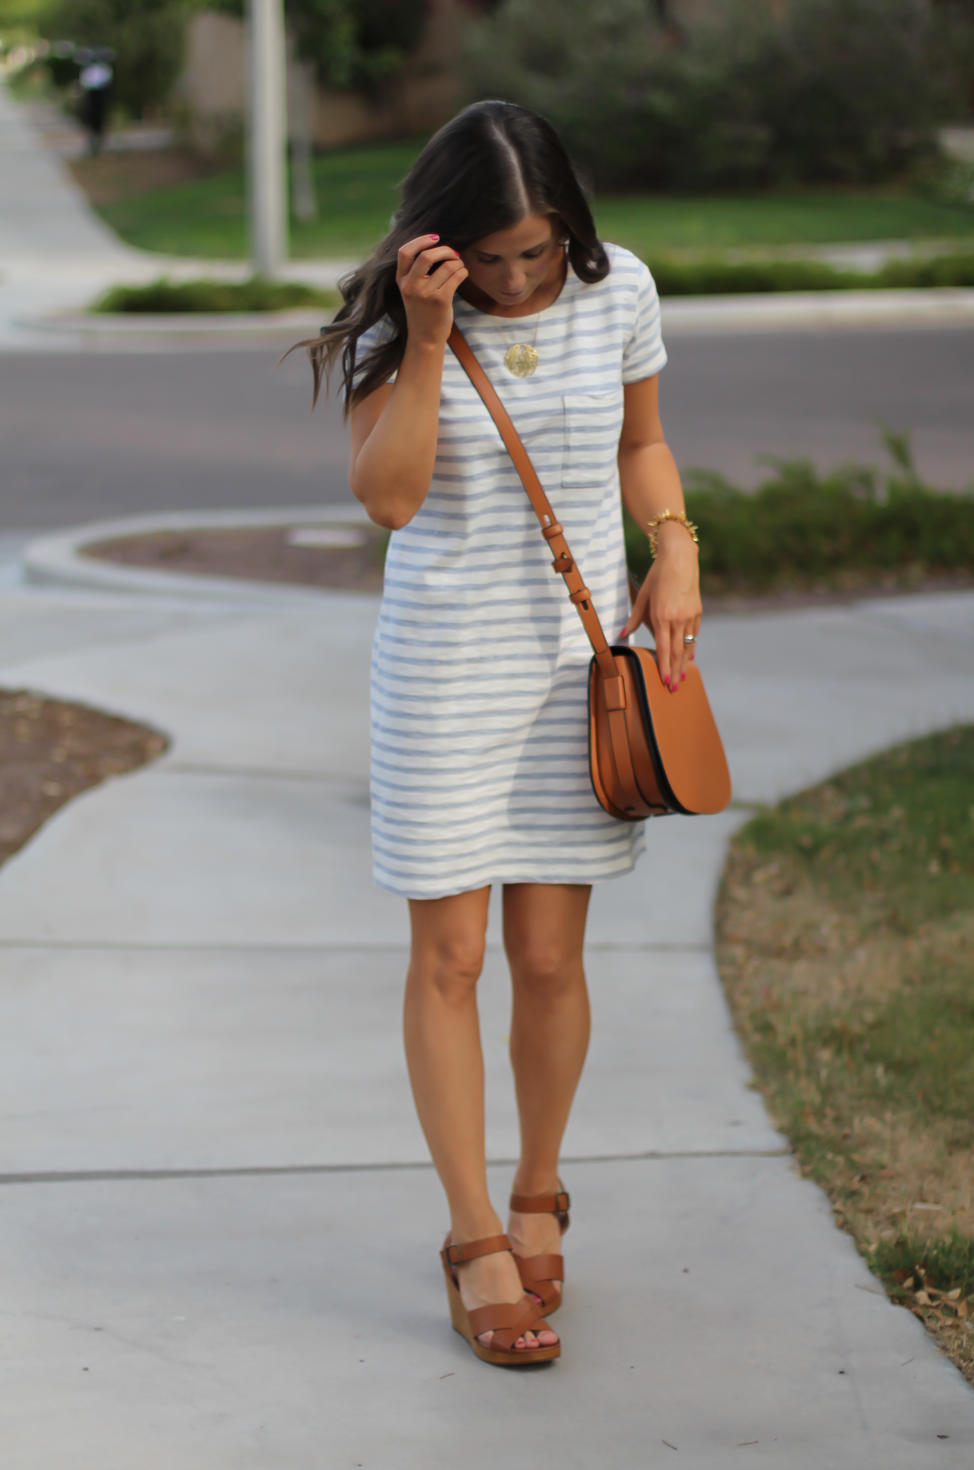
480,662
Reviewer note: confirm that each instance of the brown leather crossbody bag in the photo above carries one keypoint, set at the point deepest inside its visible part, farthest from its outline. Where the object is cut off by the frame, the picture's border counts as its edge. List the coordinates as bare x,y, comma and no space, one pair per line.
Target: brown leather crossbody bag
650,751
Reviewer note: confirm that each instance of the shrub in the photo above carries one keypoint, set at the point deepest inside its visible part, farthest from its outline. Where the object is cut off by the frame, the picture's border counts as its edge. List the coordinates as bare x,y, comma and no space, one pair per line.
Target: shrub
205,295
831,90
723,277
802,529
147,36
938,270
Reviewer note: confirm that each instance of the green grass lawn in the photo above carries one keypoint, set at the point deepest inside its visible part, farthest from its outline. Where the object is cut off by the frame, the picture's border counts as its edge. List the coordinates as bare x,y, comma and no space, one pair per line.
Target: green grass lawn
356,189
357,192
649,226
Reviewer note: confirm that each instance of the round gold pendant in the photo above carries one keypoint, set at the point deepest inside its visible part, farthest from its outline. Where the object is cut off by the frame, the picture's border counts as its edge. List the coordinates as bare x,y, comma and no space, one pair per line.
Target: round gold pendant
521,360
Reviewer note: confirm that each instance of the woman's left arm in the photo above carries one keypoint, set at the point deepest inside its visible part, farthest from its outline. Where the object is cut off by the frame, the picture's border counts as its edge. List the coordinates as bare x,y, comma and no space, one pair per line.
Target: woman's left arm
669,599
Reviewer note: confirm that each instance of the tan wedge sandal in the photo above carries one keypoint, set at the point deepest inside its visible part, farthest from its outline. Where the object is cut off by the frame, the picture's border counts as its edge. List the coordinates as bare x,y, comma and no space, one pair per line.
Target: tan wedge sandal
507,1320
539,1273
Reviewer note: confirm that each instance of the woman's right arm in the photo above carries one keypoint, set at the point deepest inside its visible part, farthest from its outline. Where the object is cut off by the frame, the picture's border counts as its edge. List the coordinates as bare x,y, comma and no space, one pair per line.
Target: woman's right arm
395,429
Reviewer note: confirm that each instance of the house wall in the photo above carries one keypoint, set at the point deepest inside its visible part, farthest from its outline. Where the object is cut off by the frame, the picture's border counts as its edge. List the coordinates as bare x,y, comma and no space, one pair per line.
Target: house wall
212,89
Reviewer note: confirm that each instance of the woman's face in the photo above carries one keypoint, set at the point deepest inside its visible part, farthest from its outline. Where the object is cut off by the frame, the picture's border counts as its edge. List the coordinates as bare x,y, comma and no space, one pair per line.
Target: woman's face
509,266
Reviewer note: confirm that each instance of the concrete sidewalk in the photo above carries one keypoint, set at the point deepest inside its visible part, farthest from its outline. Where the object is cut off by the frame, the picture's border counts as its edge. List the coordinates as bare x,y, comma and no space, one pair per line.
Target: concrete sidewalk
219,1225
57,256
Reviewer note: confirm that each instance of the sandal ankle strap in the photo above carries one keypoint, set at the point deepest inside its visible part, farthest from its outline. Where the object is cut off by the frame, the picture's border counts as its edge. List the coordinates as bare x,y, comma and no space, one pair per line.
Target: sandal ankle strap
542,1204
490,1245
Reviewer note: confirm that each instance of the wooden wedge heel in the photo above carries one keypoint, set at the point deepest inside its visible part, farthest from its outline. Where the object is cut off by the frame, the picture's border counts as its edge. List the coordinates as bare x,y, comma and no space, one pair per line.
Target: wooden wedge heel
508,1321
539,1273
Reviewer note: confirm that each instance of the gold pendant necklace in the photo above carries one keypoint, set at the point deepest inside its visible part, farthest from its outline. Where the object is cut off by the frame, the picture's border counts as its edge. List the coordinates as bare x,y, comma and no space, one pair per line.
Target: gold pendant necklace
522,359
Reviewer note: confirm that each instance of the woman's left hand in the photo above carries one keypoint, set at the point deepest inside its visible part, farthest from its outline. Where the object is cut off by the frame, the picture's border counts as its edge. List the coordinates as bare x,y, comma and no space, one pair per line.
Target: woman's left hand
668,602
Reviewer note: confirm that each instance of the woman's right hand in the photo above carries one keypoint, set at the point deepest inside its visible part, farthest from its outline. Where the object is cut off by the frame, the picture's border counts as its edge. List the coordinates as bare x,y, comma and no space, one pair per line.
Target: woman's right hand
428,298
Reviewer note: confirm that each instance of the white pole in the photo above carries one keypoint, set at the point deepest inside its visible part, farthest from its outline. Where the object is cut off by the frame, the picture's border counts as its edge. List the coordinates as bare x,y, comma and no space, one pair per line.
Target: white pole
267,136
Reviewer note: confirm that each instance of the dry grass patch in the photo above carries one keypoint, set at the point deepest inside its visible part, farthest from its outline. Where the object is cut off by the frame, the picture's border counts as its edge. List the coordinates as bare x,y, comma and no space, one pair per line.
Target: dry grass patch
51,750
110,177
846,945
298,555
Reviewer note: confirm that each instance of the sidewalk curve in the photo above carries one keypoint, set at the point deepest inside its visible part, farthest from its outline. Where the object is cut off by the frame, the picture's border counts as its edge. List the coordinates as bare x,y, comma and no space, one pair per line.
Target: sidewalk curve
220,1227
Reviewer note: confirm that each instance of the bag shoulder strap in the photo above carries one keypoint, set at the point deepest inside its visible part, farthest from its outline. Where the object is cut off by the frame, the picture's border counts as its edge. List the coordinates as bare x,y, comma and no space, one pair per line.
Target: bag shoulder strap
551,530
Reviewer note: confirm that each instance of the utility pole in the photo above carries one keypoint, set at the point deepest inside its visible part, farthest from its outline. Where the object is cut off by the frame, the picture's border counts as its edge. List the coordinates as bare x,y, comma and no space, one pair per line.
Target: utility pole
267,136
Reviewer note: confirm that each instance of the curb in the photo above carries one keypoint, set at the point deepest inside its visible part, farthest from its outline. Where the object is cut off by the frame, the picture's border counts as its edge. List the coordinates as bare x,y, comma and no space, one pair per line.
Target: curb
59,560
781,311
93,326
777,311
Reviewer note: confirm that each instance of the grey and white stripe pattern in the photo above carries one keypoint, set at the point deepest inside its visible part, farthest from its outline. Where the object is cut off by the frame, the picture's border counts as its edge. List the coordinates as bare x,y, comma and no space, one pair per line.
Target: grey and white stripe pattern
479,673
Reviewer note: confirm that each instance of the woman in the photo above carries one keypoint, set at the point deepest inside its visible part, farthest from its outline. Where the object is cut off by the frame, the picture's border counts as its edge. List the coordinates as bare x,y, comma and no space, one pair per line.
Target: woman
479,755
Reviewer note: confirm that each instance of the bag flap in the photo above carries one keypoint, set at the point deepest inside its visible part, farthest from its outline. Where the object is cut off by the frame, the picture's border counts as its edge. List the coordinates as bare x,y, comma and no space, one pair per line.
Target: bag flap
687,739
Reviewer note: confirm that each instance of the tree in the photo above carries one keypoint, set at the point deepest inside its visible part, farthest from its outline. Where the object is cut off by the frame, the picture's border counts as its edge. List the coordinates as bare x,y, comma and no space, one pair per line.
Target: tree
354,44
148,38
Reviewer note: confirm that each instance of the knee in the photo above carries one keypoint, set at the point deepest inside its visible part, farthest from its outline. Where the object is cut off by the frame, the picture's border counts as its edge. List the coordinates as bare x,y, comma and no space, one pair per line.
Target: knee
450,969
544,971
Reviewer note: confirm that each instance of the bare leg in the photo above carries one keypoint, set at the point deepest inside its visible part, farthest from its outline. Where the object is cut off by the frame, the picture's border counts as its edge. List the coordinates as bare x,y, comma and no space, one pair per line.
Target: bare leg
544,931
446,1069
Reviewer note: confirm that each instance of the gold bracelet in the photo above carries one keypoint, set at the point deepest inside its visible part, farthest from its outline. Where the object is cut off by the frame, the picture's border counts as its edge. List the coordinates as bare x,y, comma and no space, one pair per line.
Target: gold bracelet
671,515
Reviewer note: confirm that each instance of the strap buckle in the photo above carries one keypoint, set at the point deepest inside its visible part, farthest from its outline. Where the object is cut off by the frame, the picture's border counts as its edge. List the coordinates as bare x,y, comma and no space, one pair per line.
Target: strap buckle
454,1254
562,563
562,1202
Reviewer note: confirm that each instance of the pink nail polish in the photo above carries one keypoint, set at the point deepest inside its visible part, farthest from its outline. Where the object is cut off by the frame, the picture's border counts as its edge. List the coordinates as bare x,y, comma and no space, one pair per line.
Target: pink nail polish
434,237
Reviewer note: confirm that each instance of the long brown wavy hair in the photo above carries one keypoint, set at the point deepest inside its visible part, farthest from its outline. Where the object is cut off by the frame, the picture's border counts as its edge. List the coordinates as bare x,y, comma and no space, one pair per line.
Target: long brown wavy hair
487,169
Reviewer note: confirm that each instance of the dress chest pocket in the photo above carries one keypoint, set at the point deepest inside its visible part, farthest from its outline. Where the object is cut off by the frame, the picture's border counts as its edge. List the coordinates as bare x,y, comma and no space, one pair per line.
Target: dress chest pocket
593,423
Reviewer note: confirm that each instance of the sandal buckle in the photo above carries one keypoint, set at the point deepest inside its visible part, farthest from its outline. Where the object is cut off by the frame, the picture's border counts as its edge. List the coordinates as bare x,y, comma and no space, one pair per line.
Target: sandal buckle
454,1260
562,1201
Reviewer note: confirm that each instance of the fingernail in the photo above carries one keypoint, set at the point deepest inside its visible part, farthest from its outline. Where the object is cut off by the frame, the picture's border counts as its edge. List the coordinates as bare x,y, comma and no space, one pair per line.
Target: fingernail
434,237
682,677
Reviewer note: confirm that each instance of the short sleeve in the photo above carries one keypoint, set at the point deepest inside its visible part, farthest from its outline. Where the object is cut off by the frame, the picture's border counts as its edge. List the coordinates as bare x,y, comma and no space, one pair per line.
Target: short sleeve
644,353
373,337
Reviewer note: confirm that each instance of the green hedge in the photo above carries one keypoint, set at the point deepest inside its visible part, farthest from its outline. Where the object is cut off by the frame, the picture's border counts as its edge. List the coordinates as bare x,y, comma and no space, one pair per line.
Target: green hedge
214,296
801,529
719,277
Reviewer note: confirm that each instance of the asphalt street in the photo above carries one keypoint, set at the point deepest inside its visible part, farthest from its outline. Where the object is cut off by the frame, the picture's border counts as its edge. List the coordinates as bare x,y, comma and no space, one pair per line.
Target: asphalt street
89,435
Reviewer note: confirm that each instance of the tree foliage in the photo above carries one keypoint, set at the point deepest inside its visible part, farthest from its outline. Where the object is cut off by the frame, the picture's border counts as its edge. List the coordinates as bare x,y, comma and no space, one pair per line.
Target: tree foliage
354,44
824,90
